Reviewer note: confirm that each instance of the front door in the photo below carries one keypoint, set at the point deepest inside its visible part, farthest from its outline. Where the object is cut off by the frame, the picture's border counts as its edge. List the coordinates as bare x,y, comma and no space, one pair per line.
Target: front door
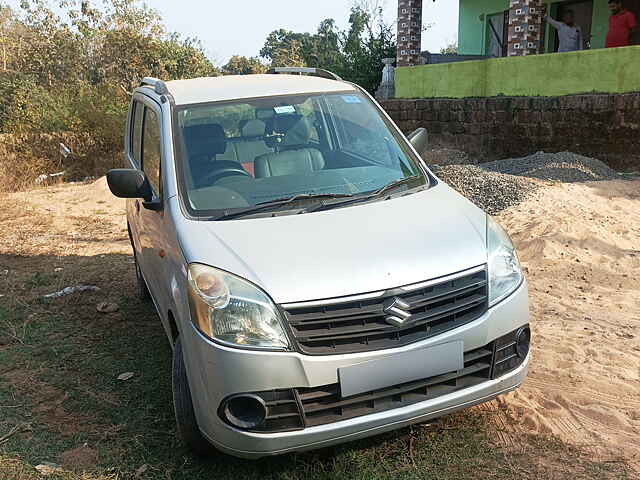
583,14
497,34
152,234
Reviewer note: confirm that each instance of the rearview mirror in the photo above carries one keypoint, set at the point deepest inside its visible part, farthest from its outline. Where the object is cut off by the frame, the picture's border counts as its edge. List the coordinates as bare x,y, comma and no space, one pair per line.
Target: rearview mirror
419,139
129,183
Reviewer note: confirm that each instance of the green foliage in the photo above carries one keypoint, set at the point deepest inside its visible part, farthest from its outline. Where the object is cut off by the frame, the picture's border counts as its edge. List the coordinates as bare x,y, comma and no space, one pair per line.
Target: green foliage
239,65
355,54
70,72
450,49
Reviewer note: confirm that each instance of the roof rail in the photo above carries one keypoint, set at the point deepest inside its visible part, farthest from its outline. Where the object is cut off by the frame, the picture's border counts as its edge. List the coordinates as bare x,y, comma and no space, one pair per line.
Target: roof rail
158,85
316,72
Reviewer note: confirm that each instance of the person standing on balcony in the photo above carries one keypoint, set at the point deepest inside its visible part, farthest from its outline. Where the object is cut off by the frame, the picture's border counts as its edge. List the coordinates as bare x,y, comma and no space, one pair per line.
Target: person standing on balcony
622,24
569,34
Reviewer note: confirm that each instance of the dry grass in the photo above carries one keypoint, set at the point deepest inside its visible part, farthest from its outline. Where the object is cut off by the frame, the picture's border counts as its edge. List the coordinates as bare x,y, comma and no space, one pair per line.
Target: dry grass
27,156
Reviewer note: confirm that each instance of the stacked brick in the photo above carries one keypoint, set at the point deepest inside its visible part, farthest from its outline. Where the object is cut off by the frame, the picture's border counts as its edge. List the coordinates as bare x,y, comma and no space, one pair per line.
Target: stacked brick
409,39
602,125
526,27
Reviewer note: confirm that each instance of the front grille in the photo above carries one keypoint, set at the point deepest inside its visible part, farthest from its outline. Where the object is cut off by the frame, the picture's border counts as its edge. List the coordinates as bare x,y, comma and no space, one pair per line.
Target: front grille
361,325
298,408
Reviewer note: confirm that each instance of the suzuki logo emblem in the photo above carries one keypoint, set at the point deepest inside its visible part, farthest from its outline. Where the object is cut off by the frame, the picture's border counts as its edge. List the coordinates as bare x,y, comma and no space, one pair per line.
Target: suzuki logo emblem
397,311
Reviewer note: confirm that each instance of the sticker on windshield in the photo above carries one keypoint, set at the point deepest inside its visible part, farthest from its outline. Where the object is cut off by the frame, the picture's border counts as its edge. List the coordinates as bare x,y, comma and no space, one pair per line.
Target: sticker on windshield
351,99
285,109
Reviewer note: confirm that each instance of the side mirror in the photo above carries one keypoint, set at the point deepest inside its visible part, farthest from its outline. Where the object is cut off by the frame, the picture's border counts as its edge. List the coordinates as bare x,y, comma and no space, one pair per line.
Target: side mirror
129,183
419,139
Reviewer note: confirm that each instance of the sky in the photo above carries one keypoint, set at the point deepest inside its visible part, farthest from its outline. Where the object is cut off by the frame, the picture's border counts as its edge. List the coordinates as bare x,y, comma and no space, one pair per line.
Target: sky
240,27
234,27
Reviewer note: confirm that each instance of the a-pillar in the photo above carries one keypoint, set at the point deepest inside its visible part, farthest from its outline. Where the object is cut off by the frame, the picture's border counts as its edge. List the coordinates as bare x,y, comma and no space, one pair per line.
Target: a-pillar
526,27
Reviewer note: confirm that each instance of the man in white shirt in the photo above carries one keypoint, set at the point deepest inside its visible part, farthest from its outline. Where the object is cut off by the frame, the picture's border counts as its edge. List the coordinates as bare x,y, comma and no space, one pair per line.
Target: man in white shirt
569,34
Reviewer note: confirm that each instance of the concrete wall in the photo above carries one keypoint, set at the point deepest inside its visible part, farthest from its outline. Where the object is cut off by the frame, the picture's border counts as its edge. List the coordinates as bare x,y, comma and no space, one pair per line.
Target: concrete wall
472,32
605,126
603,71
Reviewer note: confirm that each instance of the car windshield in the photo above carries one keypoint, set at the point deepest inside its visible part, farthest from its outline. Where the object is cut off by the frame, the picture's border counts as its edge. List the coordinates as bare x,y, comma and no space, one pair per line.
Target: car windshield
236,155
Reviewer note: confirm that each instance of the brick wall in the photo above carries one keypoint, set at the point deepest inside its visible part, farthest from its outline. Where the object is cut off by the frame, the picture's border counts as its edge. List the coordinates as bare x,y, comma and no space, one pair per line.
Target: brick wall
605,126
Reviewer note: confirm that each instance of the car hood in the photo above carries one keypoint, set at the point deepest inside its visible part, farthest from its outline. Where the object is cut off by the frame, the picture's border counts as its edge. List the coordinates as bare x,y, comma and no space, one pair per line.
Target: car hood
346,251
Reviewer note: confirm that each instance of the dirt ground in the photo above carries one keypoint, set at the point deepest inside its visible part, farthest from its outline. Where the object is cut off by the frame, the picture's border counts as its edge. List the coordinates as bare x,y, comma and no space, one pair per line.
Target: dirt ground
580,248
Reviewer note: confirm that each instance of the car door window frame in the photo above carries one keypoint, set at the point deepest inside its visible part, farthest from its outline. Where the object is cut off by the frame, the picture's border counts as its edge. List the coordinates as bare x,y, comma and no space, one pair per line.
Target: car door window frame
143,150
136,106
147,102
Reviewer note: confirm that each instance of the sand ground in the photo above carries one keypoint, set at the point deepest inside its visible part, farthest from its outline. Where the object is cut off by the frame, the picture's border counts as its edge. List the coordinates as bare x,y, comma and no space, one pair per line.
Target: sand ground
580,247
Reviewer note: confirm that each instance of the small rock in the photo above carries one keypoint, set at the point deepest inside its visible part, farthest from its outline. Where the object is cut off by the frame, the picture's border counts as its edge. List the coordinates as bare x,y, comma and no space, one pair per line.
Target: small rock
106,307
125,376
48,468
70,290
142,469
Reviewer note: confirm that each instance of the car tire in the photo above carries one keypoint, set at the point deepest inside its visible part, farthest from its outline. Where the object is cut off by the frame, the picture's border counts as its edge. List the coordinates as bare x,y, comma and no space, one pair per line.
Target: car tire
183,406
142,291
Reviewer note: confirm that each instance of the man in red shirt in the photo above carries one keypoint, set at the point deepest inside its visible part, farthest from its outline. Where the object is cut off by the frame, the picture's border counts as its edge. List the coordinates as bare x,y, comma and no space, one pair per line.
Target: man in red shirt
621,24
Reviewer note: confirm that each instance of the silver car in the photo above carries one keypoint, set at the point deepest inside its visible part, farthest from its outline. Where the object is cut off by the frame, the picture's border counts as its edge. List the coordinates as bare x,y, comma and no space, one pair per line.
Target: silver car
318,284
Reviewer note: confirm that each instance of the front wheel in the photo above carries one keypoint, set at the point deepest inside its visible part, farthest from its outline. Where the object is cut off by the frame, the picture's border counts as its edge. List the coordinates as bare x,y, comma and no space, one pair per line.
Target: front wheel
183,406
142,291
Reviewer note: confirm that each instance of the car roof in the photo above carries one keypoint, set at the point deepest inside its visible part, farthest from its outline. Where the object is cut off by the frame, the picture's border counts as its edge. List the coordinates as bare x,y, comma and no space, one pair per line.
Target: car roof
232,87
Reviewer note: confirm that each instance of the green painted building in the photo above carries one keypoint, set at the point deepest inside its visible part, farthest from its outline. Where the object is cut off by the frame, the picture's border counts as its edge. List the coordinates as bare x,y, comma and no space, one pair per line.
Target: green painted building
483,24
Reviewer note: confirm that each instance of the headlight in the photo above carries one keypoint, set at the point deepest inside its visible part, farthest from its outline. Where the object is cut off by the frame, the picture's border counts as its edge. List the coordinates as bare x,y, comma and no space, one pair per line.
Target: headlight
505,274
231,310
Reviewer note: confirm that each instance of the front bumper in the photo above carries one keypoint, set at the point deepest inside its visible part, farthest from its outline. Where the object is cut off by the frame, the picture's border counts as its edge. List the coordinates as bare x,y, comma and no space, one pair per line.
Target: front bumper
215,372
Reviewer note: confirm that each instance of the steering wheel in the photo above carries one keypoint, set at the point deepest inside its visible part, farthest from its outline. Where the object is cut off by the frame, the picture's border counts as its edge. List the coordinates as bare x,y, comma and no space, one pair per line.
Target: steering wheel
223,172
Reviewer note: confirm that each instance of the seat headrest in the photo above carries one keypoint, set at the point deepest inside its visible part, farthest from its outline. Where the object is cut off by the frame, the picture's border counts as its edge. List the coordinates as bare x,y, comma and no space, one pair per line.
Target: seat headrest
207,139
253,128
298,134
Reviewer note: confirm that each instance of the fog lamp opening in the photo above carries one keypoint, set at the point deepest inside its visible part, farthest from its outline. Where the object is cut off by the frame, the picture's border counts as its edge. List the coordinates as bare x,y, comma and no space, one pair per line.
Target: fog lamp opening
523,340
245,411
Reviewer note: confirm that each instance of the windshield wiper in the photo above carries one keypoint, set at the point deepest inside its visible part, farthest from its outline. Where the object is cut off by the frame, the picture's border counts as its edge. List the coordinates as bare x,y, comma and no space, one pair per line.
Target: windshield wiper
303,196
392,185
264,206
362,198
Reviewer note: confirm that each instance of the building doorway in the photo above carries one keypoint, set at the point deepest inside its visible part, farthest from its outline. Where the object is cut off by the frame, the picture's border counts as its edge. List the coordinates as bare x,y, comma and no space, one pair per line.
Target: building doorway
583,14
497,34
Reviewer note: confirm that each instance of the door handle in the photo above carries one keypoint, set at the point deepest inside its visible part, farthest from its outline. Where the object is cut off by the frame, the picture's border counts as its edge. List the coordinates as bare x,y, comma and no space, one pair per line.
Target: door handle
137,206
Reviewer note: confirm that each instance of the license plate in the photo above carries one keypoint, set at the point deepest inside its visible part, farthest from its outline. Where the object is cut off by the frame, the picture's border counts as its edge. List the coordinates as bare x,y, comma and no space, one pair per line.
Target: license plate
401,368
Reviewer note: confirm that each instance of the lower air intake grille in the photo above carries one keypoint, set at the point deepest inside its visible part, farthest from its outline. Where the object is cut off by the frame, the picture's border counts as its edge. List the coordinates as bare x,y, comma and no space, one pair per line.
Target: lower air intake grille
298,408
324,405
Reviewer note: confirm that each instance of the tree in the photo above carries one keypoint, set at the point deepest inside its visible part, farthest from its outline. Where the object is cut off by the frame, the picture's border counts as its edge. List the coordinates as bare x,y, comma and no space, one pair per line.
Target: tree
364,49
288,54
355,54
450,49
239,65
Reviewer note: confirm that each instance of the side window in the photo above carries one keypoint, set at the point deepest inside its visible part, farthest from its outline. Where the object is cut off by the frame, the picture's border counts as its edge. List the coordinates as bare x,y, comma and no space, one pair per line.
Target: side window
136,132
359,128
151,148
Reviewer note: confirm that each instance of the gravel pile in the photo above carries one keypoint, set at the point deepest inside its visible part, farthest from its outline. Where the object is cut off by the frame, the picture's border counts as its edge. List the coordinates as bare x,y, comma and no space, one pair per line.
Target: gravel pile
560,167
447,156
495,186
491,191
